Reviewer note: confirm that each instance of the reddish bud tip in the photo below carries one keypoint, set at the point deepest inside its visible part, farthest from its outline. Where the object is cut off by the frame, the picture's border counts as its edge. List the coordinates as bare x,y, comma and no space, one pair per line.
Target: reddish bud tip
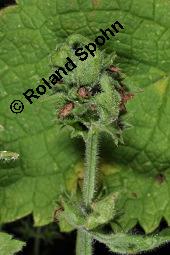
66,110
83,92
114,69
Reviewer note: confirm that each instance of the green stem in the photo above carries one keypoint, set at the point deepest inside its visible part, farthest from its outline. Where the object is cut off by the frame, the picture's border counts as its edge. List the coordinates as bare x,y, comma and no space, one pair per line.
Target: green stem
90,168
37,242
83,243
84,240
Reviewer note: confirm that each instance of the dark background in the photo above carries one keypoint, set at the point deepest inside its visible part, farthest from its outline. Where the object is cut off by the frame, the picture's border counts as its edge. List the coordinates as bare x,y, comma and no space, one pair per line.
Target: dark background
48,240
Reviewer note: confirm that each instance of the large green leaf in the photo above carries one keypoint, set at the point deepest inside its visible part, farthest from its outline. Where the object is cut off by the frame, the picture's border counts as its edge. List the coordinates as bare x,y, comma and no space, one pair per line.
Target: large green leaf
9,246
131,244
145,198
29,32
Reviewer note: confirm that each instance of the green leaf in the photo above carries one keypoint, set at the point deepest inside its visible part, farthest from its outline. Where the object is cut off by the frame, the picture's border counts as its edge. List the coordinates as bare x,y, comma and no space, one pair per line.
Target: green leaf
29,32
102,211
132,244
34,182
144,198
8,245
74,215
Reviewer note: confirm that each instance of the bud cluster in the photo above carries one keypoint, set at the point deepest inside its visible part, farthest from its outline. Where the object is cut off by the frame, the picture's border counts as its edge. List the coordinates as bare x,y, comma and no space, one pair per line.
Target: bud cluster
93,93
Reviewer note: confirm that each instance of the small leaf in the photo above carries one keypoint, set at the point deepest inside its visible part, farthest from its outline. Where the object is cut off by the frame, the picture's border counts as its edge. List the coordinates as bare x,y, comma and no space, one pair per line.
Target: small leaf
9,246
103,211
65,226
72,214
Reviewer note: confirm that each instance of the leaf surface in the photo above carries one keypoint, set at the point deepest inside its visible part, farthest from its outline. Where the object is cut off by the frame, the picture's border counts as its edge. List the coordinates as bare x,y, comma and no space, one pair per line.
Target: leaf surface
131,244
145,198
29,32
9,246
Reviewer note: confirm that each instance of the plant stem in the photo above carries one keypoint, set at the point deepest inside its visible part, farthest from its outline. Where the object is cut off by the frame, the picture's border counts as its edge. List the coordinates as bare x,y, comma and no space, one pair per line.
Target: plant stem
37,242
83,243
90,167
84,240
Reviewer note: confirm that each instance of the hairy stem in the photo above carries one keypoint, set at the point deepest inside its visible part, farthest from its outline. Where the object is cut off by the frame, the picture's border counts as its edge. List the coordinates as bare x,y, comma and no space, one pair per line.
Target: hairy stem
83,243
90,168
84,240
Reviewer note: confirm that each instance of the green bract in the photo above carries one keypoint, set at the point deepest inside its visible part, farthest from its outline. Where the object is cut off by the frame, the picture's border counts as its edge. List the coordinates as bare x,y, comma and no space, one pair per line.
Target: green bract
87,72
74,213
